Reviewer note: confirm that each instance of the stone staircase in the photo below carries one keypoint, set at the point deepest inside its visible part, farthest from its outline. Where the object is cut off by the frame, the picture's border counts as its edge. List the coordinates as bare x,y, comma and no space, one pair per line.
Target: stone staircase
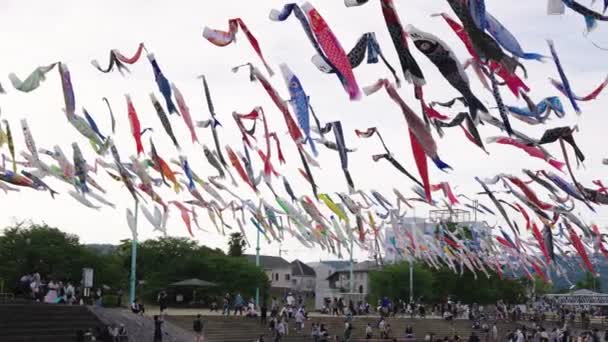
241,329
36,322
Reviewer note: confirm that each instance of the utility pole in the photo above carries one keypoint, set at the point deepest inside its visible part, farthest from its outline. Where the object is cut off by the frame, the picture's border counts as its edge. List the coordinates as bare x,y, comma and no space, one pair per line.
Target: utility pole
257,264
352,280
412,264
133,277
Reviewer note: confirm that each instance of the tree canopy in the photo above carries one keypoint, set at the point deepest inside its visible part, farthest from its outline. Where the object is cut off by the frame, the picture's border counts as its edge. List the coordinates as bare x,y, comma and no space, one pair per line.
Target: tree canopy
236,245
27,248
435,286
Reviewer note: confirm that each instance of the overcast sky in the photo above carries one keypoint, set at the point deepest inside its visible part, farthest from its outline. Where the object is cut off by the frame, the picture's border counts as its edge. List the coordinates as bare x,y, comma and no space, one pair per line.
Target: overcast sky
37,33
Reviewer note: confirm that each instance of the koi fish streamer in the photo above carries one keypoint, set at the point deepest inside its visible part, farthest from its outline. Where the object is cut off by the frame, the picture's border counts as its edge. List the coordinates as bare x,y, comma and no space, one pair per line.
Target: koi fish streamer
538,113
563,77
333,50
514,83
292,127
11,145
411,71
367,44
135,125
590,15
300,102
447,191
282,15
530,150
185,111
213,122
471,131
234,160
118,60
164,120
485,47
33,81
501,34
579,247
336,126
93,124
370,132
421,139
592,96
68,90
223,38
565,134
445,60
163,84
185,213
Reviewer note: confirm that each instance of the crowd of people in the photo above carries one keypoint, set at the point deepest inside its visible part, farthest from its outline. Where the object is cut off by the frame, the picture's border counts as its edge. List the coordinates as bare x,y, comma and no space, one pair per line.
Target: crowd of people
53,291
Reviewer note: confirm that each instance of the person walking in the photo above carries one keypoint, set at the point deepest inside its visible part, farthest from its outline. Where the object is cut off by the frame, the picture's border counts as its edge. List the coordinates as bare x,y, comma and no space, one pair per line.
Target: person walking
263,314
158,328
197,326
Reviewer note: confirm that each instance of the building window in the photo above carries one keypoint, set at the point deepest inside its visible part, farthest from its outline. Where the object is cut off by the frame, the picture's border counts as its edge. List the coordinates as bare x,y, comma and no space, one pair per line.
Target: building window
360,288
287,277
276,277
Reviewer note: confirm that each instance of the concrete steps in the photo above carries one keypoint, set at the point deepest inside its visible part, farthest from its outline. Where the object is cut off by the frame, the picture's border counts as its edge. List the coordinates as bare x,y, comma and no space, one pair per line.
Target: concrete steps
241,329
37,322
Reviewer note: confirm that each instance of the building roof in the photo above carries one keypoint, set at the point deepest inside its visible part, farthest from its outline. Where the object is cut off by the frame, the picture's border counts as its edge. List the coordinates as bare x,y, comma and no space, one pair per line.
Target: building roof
336,264
268,262
299,268
193,283
365,266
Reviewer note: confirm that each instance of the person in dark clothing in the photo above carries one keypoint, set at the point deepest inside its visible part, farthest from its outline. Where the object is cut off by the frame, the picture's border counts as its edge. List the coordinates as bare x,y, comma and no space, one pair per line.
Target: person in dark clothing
158,329
474,337
119,295
197,326
263,314
163,301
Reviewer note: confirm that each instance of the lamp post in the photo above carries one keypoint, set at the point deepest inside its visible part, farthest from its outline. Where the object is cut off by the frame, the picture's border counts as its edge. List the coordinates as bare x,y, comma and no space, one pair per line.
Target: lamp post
257,264
133,257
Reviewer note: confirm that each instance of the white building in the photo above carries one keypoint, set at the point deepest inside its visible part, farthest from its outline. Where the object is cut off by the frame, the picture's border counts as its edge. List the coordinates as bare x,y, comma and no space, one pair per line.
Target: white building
277,269
333,280
302,277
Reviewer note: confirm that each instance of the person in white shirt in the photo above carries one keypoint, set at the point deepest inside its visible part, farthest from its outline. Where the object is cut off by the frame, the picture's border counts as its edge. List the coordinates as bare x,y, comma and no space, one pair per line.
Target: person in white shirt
494,333
300,320
519,336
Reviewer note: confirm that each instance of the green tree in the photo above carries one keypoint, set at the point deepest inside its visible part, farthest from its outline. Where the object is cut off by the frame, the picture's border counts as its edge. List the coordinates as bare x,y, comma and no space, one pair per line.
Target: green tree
26,248
166,260
236,245
435,285
589,282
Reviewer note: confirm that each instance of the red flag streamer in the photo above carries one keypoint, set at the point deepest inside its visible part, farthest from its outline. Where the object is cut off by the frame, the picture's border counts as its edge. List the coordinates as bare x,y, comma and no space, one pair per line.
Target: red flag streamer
422,140
223,38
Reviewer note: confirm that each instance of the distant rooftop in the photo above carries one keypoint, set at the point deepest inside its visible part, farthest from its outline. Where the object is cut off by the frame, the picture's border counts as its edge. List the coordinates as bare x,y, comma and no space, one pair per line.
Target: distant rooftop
336,264
299,268
267,261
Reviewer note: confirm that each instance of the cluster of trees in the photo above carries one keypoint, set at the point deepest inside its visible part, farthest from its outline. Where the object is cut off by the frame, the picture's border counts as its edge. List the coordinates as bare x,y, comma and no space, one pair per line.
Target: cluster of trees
27,248
435,286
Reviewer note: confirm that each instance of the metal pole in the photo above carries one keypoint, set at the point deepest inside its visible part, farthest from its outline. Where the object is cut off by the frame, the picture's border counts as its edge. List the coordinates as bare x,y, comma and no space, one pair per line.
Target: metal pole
257,263
411,280
412,264
352,280
134,258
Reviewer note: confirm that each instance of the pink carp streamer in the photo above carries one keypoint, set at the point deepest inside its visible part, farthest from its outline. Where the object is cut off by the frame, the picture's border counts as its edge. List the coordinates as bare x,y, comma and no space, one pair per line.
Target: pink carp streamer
533,151
223,38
